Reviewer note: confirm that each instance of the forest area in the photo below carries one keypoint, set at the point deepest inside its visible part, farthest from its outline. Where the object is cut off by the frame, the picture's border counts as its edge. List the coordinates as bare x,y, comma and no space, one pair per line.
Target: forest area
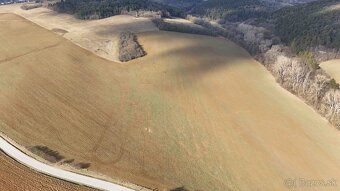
309,25
90,9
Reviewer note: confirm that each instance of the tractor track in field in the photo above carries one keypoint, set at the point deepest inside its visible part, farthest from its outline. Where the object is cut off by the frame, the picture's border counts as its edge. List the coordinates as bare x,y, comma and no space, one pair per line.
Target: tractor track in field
32,51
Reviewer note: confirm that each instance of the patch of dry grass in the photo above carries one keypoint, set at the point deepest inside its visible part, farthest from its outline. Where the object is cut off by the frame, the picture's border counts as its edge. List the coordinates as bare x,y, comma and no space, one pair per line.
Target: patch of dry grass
332,68
98,36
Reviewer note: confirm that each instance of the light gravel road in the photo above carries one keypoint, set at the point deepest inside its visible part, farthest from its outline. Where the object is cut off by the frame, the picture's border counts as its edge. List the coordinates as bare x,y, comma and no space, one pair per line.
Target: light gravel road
21,157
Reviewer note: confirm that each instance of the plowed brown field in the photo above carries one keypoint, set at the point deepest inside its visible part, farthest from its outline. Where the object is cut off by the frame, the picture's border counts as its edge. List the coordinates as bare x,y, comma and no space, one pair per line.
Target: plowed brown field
16,177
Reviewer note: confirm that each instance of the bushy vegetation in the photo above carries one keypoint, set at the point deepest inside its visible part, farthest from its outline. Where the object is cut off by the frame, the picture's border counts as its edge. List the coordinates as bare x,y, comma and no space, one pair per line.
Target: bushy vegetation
97,9
231,10
309,60
29,6
309,25
333,84
177,27
129,48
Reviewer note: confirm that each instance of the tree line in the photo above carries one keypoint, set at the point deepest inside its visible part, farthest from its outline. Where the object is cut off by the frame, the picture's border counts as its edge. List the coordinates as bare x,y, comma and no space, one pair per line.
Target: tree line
97,9
231,10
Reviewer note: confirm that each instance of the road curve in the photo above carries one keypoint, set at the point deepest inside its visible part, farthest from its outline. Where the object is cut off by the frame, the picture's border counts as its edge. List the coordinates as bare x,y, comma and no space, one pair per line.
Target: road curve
21,157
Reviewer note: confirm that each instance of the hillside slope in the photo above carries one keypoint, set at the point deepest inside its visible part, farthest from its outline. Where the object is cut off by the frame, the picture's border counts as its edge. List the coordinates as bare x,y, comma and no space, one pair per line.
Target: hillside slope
196,111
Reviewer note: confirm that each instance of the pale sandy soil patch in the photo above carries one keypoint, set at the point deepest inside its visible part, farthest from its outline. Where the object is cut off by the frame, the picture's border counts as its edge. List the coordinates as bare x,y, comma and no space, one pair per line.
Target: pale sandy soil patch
98,36
59,31
196,111
335,7
332,68
183,22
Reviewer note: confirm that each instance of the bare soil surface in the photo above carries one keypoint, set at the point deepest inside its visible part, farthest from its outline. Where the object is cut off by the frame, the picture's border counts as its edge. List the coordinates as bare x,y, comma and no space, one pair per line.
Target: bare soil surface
332,68
195,111
99,36
15,177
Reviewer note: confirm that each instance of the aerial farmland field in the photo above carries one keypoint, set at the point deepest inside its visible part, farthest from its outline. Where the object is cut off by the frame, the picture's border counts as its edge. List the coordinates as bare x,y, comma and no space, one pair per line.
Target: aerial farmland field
196,111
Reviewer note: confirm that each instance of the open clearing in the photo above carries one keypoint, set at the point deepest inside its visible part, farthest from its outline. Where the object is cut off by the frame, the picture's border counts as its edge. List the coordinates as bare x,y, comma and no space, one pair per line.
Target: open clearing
332,68
196,111
14,177
99,36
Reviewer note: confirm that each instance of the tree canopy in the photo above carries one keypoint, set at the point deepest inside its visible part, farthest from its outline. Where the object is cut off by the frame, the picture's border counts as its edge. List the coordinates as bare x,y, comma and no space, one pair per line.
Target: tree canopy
231,10
309,25
86,9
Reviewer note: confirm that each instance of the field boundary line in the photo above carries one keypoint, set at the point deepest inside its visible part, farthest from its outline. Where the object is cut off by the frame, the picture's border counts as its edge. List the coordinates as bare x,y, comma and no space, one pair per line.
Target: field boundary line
32,51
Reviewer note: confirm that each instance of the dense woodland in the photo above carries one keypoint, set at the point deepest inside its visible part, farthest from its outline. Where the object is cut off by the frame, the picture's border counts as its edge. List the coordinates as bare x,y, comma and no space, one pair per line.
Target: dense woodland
178,27
231,10
309,25
301,27
97,9
186,5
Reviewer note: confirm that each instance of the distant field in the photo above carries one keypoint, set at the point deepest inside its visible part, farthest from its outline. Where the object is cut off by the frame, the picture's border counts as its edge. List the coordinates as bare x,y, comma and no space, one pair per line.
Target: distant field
98,36
196,111
332,67
15,177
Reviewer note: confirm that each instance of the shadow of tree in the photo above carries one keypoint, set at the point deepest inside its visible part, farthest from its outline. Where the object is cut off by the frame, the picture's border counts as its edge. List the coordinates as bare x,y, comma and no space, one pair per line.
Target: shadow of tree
47,153
55,157
180,189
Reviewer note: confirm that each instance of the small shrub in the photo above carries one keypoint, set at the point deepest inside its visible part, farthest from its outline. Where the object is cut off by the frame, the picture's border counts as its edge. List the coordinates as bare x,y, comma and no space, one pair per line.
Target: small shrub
333,84
309,59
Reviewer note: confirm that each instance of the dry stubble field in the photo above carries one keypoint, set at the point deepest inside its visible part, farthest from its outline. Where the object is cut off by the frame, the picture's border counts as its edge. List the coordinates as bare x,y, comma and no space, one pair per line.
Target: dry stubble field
332,68
99,36
196,111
